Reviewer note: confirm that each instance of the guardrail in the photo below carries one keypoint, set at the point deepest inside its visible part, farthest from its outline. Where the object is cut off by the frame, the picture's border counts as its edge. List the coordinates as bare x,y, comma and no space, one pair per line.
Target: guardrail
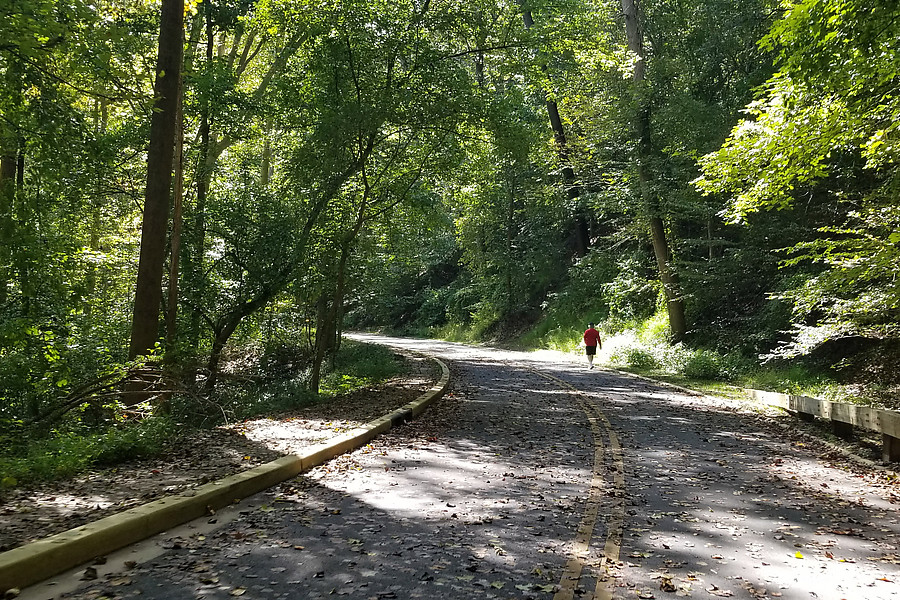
844,417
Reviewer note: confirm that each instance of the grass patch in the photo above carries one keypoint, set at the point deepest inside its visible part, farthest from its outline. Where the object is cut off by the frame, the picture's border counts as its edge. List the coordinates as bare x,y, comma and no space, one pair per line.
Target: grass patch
66,453
457,332
359,365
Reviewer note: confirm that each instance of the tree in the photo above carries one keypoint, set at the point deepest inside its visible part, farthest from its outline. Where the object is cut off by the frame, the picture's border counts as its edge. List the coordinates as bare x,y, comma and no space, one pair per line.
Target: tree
661,247
581,235
824,129
160,155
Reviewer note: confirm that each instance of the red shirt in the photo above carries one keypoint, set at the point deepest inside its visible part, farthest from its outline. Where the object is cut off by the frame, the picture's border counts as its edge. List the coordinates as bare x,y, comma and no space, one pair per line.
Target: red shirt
591,337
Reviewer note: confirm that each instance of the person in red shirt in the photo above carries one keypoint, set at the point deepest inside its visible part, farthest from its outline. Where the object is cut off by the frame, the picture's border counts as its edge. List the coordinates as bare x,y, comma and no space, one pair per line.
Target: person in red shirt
591,343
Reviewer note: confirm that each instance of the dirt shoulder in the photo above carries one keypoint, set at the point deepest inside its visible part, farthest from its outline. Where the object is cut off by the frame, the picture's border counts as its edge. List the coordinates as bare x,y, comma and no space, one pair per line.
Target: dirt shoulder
31,513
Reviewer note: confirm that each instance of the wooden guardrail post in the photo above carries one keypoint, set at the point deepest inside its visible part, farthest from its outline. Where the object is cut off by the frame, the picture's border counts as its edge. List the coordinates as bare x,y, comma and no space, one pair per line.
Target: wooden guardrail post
890,449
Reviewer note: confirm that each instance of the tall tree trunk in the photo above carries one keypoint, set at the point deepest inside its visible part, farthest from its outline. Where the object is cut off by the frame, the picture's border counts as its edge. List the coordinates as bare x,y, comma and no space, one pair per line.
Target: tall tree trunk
510,236
175,239
581,233
101,122
8,144
667,274
148,295
322,336
20,172
204,176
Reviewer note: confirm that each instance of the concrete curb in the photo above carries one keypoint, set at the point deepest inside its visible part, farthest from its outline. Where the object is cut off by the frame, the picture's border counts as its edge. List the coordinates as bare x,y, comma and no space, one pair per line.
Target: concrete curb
29,564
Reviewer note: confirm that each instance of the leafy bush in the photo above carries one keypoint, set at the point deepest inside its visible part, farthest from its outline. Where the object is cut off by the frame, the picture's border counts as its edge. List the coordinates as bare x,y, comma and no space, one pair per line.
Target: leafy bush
634,357
703,364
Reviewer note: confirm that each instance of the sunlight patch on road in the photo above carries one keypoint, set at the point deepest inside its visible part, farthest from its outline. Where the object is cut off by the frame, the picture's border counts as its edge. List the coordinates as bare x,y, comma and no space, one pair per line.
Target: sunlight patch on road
293,435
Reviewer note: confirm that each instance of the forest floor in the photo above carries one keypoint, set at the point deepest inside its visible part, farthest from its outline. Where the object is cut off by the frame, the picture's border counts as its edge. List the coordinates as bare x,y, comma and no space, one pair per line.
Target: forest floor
199,456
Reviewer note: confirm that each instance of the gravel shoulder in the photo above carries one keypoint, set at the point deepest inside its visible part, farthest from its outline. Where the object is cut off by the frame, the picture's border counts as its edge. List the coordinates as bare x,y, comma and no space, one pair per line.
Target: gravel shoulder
34,512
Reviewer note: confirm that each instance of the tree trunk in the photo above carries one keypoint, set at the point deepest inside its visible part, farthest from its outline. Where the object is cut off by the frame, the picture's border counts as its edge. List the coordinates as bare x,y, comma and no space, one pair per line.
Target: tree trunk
226,328
148,294
194,258
100,126
510,237
7,200
667,274
220,339
175,240
581,233
322,336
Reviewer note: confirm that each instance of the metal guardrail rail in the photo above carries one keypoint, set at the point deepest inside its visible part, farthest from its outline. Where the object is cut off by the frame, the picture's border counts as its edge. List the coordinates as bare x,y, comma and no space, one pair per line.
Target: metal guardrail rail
844,417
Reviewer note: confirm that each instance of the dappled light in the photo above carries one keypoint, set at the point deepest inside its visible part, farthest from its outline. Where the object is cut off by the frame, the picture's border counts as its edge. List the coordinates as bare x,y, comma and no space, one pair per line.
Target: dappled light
535,478
204,204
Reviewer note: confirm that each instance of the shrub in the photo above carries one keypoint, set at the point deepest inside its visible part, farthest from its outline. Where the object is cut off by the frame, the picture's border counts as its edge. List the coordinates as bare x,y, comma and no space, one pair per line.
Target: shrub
702,364
634,357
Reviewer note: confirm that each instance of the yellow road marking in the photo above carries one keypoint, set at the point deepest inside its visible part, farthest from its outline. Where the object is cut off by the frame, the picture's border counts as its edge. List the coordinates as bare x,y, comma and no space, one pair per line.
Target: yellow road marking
600,425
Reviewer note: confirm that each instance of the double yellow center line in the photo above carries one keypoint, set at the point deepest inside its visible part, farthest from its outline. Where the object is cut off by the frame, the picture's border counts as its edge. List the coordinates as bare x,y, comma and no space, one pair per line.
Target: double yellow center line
601,487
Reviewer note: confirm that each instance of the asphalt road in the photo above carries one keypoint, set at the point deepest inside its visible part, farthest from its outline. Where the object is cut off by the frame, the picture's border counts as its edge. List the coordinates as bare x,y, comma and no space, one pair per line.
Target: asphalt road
539,478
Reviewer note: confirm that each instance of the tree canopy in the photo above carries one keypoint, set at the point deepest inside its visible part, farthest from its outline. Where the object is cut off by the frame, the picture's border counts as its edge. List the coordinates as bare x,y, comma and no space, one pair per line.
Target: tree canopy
431,166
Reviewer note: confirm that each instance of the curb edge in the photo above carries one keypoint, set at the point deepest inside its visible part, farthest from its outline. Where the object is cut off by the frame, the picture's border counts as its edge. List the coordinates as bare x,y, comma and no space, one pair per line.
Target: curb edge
40,560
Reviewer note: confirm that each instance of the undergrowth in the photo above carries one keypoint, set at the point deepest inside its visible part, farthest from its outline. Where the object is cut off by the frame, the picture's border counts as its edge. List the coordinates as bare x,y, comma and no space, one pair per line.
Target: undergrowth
73,447
64,453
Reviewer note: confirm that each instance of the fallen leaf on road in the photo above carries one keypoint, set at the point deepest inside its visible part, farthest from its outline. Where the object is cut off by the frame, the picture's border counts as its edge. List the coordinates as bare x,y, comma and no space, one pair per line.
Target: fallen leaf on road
716,591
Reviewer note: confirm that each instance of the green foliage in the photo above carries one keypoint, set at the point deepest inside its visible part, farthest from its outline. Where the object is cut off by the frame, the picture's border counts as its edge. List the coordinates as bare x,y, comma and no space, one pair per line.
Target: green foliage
787,379
239,402
645,348
825,128
633,357
281,382
67,453
376,164
365,364
601,288
703,364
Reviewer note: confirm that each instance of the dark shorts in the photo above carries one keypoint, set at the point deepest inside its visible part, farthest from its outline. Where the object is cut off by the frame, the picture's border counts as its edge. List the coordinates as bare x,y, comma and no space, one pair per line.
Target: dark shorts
590,350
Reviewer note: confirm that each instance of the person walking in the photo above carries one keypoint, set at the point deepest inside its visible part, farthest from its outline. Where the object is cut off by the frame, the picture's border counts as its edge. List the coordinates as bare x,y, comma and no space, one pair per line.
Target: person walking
591,343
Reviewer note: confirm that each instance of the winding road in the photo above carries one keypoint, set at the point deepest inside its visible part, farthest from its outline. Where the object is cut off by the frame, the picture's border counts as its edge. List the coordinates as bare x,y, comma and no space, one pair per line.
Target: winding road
538,478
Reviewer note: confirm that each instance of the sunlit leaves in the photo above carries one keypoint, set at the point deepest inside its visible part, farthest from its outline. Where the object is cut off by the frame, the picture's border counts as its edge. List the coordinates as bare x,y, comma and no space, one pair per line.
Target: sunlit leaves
826,127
